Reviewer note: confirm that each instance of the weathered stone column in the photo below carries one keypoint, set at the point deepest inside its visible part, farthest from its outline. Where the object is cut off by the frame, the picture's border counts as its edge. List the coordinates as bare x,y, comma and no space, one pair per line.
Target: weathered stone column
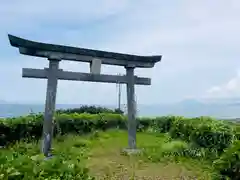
131,111
50,105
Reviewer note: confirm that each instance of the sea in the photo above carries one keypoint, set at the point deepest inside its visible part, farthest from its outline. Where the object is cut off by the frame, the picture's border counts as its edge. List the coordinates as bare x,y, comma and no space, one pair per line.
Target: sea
219,111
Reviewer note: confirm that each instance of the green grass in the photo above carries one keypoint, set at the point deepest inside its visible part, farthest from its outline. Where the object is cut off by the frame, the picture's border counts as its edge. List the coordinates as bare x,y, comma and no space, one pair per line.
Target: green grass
101,153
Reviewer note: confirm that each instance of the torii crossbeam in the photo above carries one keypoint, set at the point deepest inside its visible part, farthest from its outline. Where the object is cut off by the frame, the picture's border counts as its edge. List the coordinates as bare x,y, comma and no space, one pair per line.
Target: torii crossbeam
56,53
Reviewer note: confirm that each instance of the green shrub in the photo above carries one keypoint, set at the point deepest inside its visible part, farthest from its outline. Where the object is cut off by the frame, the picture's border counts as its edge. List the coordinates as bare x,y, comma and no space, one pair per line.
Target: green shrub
229,162
236,128
84,123
182,128
30,127
14,129
158,124
143,123
175,148
204,132
165,123
89,110
194,152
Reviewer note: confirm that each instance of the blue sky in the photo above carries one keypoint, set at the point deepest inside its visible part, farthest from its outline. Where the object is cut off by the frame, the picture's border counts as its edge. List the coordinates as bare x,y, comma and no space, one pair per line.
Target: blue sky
199,41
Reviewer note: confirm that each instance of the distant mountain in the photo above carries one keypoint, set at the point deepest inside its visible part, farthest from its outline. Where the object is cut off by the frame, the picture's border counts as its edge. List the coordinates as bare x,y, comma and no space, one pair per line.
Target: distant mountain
190,102
218,108
3,102
235,104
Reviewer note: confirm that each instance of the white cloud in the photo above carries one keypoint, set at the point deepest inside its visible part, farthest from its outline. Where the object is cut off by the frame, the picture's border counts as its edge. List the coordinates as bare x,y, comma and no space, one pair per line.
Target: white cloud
227,90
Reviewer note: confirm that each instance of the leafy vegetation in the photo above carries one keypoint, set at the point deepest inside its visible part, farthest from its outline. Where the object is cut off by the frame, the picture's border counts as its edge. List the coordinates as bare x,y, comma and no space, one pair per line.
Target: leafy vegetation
22,161
93,155
193,139
90,110
229,162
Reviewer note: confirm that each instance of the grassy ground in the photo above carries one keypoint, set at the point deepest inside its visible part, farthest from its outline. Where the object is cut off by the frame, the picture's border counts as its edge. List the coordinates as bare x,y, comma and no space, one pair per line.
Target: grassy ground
106,159
101,153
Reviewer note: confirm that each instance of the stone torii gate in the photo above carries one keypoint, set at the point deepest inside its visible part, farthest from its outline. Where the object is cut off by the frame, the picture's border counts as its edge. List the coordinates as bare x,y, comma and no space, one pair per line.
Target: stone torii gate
56,53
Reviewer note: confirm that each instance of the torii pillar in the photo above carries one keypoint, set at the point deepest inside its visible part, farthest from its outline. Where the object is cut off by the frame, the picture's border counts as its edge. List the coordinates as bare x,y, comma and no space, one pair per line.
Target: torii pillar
50,104
132,126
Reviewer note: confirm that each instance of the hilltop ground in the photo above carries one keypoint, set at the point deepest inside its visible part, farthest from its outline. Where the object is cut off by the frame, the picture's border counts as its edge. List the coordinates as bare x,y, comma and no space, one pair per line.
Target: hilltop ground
101,153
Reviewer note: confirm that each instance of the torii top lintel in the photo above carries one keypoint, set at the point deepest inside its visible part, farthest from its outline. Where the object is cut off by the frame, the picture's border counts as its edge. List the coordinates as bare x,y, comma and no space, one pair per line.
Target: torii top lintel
39,49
